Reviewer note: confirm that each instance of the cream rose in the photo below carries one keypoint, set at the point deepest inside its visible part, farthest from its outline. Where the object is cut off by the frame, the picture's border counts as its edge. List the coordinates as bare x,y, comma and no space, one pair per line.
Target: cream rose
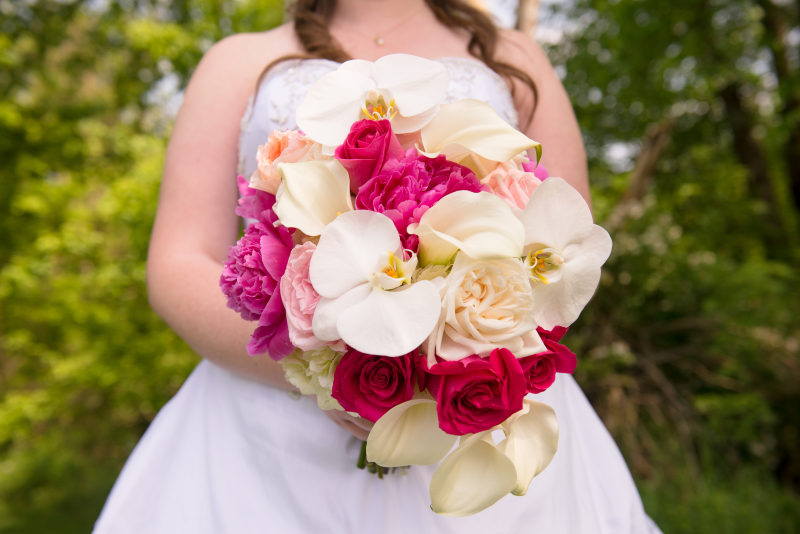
312,373
486,304
281,147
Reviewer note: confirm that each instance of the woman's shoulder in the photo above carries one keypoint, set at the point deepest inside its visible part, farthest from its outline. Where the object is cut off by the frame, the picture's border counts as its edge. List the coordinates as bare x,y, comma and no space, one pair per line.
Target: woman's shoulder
243,56
521,50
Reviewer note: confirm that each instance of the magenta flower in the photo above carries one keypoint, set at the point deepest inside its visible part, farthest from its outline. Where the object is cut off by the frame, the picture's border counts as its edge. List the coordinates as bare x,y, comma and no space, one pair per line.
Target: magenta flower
405,189
540,369
367,148
251,275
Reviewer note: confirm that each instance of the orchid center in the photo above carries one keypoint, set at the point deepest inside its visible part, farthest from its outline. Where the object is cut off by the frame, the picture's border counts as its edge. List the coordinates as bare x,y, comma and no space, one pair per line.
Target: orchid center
376,107
544,264
394,272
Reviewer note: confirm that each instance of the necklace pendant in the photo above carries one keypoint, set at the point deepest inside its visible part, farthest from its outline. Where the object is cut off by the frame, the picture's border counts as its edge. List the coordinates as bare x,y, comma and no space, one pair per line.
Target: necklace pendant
378,40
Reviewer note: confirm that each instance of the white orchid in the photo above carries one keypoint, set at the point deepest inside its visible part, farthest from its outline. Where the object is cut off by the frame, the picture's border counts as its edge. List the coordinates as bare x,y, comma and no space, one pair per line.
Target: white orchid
312,194
471,133
564,251
479,224
478,472
403,88
367,298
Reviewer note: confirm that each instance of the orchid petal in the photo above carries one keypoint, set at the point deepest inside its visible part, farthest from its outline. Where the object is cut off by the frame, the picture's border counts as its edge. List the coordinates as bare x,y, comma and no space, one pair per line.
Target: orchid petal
416,84
475,126
312,194
391,323
479,224
349,250
327,312
408,434
556,214
531,442
472,478
332,104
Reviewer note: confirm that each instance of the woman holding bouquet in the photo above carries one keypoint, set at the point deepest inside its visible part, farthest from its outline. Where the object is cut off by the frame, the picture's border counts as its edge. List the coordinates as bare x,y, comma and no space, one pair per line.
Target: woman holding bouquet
237,450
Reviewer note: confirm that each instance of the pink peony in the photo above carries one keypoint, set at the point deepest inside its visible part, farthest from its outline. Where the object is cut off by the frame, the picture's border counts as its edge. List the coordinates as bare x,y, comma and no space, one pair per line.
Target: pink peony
367,148
513,185
474,394
405,189
371,385
288,146
540,369
250,277
300,298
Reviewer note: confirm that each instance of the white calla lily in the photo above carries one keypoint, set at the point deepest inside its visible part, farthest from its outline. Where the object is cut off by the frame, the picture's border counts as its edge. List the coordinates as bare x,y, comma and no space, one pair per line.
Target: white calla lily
471,133
403,88
481,225
531,442
367,298
473,477
312,194
409,434
564,251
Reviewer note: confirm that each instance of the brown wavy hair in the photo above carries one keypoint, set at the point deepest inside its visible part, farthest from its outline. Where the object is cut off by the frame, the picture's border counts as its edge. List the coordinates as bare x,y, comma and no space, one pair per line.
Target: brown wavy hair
311,19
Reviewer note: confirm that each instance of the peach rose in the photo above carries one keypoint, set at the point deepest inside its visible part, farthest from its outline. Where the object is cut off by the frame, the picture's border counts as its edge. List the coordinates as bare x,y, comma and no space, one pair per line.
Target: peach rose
281,147
512,184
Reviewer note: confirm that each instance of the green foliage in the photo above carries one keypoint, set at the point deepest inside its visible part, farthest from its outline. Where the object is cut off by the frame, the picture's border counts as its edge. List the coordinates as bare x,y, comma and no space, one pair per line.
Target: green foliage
84,363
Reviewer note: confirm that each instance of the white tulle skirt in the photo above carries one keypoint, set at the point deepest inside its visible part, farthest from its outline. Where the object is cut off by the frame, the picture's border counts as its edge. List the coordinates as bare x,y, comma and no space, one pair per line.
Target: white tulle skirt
230,455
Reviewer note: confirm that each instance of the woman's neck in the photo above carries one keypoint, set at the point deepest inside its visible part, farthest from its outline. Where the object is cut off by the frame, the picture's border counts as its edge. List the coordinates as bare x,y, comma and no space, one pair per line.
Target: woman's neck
376,14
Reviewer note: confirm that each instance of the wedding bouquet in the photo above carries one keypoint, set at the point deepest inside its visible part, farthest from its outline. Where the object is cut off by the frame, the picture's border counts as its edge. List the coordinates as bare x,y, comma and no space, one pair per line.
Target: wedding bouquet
406,264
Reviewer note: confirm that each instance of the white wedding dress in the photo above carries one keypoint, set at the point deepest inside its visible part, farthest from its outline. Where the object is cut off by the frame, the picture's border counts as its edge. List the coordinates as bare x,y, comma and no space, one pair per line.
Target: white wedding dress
231,455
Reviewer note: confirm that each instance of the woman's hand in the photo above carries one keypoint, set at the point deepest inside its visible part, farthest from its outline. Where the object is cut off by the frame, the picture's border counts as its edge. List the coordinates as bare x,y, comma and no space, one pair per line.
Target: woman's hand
357,426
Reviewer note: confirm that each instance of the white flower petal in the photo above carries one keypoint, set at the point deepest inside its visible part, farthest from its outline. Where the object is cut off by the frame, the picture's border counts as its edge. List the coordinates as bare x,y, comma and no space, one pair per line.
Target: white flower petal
402,124
312,194
332,104
350,249
408,434
416,84
391,323
531,442
472,478
479,224
556,215
327,312
475,126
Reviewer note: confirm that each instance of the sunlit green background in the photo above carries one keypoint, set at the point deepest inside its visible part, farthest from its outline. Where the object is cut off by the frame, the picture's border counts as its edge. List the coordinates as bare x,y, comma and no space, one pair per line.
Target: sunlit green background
691,115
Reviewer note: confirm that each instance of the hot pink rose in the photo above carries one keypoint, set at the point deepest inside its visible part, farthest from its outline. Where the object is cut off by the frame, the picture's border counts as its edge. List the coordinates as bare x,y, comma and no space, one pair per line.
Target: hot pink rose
513,185
540,369
367,148
371,385
474,394
288,146
299,297
251,274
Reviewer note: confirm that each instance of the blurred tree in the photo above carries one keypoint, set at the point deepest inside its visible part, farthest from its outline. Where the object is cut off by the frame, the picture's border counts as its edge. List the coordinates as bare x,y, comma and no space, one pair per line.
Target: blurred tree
87,92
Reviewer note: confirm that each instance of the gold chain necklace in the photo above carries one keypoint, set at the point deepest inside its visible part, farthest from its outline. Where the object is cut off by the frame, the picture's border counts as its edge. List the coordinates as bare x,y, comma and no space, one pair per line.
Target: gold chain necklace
378,38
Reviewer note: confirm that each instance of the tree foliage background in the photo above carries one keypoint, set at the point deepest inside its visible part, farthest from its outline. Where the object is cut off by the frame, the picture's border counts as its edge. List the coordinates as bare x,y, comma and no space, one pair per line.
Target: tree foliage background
691,115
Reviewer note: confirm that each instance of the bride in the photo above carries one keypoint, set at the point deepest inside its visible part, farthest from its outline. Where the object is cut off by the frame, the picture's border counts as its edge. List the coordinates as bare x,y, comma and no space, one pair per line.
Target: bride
236,451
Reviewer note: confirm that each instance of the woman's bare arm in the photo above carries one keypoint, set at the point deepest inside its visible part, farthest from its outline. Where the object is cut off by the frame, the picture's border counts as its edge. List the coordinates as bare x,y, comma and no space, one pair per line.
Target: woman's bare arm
554,124
195,222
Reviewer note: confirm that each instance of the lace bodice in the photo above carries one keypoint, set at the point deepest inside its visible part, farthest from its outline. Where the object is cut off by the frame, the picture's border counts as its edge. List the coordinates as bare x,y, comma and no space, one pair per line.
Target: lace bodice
283,88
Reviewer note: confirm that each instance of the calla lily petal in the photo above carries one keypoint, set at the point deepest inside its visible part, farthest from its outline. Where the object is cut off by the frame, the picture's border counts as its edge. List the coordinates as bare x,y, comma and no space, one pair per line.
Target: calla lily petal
349,250
333,103
531,442
416,84
408,434
369,328
312,194
481,225
473,477
473,125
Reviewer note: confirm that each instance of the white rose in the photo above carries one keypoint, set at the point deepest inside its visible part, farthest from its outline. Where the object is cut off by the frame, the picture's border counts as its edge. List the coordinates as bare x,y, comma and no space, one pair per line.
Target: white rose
486,304
312,373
